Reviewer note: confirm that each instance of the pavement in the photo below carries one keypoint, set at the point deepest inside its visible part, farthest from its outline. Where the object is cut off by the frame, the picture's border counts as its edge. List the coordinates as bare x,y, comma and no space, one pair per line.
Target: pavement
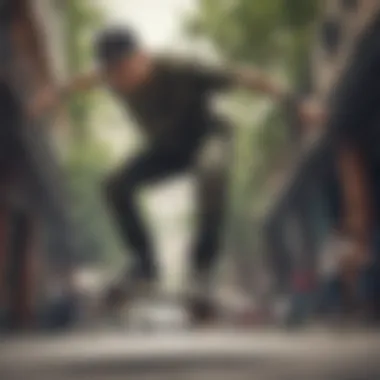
199,354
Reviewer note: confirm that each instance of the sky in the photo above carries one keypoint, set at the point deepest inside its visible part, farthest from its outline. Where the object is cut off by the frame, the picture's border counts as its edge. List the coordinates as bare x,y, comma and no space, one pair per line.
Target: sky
158,22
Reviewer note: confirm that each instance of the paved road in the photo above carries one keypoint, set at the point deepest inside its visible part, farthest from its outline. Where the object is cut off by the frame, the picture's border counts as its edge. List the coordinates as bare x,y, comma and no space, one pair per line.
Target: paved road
211,355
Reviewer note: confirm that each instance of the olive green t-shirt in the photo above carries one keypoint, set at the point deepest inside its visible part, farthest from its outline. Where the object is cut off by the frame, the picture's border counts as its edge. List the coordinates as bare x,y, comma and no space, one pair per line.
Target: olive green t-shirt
172,108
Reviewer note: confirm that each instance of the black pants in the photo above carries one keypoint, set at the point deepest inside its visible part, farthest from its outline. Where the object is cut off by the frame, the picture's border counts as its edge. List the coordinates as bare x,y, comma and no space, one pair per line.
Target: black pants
148,168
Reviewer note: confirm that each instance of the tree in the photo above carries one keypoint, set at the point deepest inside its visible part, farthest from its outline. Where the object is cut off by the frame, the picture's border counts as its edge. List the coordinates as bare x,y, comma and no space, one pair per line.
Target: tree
278,36
274,33
88,157
81,18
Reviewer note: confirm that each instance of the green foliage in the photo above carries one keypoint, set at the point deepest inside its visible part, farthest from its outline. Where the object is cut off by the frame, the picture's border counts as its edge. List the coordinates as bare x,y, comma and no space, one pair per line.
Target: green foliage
81,18
274,34
300,14
87,166
88,157
253,31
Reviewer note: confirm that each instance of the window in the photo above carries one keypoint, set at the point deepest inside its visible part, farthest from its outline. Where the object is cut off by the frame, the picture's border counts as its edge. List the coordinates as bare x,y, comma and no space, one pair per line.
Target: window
331,36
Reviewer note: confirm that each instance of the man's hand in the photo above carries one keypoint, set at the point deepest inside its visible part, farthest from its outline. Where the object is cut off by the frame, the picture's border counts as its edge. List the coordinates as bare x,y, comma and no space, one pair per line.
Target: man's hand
44,101
51,97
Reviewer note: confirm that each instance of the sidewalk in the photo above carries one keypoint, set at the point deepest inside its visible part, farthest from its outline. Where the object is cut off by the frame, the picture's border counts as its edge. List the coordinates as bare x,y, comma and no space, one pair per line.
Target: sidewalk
266,354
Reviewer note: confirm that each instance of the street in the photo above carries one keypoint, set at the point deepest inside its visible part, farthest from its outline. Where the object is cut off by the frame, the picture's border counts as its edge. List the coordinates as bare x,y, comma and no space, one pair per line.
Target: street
193,355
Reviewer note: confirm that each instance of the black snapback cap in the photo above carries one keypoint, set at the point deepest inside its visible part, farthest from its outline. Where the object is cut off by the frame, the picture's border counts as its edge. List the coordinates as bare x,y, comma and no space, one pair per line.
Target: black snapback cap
114,43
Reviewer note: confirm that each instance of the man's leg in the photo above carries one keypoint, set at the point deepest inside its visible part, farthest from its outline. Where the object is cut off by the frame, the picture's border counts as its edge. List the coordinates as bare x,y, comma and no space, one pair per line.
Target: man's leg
121,189
212,189
211,203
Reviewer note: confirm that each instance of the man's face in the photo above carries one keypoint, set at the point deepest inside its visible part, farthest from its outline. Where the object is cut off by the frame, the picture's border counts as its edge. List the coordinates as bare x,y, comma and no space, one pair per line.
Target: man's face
130,72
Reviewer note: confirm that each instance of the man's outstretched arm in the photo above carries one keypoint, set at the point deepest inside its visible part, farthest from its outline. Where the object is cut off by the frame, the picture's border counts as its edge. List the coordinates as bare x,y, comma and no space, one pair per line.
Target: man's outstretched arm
258,81
221,77
310,111
51,97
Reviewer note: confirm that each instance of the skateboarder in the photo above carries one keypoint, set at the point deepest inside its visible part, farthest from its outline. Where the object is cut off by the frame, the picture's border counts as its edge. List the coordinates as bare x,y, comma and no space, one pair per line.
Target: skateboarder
169,101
